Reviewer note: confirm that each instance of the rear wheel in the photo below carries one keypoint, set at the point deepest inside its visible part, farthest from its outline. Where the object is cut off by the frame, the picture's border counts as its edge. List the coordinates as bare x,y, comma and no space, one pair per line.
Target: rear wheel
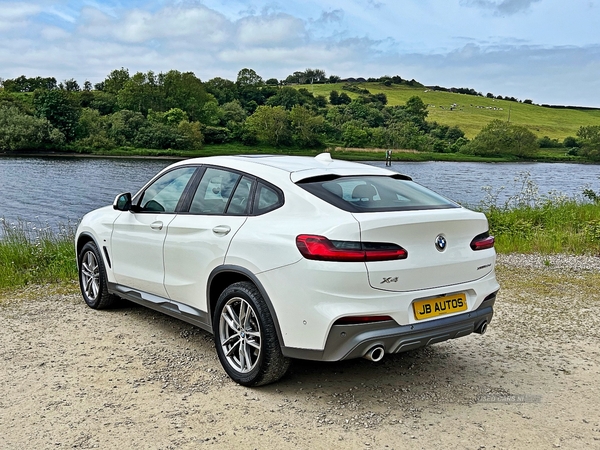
245,337
92,278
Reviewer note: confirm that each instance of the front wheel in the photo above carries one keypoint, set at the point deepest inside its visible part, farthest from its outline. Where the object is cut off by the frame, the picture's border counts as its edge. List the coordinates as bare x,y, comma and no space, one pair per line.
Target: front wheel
245,337
92,278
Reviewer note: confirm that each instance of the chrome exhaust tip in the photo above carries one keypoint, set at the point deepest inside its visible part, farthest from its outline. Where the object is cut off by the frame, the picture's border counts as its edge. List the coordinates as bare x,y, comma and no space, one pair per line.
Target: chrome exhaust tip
482,328
375,354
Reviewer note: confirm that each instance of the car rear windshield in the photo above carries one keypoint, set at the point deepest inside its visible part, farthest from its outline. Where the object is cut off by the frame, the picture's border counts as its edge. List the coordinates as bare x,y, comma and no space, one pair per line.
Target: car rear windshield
374,193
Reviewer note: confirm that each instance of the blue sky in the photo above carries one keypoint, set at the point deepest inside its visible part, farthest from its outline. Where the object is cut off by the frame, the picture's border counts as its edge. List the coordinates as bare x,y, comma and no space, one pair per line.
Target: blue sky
544,50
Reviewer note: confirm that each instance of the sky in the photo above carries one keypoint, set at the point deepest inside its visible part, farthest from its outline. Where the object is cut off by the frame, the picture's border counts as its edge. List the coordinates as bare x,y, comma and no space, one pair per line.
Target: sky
544,50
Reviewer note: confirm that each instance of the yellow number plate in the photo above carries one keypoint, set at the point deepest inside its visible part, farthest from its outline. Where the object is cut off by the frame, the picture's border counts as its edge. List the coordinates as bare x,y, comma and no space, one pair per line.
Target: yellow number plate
433,307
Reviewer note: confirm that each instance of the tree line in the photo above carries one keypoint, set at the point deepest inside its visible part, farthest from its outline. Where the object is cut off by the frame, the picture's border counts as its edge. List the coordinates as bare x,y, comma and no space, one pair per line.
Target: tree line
176,110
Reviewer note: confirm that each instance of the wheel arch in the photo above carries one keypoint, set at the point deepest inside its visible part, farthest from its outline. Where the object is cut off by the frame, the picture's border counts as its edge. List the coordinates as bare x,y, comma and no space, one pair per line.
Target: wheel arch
86,237
224,276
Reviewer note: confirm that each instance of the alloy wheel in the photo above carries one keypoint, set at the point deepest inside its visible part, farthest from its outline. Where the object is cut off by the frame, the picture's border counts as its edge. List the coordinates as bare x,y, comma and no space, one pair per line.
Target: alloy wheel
240,335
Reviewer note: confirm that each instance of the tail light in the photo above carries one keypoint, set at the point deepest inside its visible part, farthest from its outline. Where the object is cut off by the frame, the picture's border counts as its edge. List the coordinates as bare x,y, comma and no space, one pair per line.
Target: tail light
482,241
322,249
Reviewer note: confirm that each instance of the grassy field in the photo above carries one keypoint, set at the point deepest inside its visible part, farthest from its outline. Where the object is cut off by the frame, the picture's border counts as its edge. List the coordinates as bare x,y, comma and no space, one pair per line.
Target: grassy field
472,113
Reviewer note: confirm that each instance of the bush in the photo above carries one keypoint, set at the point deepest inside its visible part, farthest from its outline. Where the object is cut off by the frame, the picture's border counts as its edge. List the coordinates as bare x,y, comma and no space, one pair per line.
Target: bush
19,131
503,138
216,135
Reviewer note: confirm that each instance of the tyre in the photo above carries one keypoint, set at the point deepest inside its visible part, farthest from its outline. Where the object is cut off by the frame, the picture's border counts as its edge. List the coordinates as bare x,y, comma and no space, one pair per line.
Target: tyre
92,278
245,337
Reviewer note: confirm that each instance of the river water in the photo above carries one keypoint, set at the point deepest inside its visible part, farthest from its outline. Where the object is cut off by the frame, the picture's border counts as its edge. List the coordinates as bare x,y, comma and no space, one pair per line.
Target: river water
60,190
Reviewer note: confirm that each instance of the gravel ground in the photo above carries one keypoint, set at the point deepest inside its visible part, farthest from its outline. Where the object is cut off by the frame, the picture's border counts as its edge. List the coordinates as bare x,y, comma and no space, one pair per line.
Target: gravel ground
72,377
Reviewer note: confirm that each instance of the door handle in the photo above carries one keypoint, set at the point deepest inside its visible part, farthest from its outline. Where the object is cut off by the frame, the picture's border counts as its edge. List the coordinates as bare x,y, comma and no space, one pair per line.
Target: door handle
156,225
222,230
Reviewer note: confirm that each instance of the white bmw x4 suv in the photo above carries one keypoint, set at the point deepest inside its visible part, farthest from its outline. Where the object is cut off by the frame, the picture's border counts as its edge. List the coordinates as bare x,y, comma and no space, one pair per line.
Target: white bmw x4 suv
284,257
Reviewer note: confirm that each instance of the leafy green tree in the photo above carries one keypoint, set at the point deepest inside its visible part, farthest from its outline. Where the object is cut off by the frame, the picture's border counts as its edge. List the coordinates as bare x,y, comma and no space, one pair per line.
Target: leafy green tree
570,142
19,131
399,135
124,126
24,84
104,102
217,135
359,110
160,136
589,139
287,97
145,91
320,101
58,107
92,131
416,109
172,117
307,127
380,98
233,111
503,138
354,135
270,124
225,91
115,81
192,135
211,114
187,92
248,77
547,142
72,85
334,97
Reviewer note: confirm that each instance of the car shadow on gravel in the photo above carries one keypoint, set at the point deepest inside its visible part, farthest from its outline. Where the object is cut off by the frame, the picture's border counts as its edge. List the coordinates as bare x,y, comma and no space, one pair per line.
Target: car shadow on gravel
446,372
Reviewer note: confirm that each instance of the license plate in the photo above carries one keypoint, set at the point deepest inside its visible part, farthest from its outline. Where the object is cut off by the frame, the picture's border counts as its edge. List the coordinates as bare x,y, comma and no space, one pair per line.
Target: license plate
433,307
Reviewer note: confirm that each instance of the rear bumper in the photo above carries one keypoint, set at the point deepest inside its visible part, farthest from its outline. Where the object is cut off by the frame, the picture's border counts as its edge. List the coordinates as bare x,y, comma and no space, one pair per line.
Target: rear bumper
354,341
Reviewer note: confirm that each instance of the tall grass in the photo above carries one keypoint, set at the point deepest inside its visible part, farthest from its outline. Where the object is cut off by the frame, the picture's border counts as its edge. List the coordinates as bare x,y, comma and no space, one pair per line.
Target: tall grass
36,254
528,222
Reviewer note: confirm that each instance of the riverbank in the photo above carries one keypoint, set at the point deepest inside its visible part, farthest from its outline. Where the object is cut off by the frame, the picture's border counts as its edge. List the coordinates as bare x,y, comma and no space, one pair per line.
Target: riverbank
350,154
73,377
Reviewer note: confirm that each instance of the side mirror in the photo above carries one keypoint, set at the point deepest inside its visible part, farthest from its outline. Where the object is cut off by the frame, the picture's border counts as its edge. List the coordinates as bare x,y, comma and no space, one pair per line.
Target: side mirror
122,202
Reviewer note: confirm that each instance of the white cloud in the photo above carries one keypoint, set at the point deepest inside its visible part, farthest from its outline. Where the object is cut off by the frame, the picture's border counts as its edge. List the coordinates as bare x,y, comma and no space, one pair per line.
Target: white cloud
502,7
270,31
52,33
527,49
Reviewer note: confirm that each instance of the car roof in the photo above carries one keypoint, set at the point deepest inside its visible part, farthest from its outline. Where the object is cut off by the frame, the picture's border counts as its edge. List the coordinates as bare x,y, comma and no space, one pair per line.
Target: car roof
297,167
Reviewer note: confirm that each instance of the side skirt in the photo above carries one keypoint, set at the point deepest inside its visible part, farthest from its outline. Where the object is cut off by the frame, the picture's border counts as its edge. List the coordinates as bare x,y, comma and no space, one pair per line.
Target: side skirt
163,305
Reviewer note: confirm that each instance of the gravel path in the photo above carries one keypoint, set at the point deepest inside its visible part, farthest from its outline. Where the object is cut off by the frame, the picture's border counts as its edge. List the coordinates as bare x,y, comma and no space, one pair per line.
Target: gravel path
72,377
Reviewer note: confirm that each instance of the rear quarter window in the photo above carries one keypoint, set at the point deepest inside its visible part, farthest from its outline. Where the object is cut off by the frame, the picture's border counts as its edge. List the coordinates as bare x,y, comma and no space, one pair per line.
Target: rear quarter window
374,193
267,199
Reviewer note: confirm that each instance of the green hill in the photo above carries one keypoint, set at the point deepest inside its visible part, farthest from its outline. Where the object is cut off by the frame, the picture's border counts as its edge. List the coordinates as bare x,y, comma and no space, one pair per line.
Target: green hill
471,113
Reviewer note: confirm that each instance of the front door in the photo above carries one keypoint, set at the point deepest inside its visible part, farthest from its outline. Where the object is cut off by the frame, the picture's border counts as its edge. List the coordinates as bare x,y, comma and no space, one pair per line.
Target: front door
138,236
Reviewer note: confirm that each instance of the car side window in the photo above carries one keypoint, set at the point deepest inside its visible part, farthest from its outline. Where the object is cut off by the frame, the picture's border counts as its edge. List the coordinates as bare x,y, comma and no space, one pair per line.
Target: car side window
164,194
266,199
240,203
214,191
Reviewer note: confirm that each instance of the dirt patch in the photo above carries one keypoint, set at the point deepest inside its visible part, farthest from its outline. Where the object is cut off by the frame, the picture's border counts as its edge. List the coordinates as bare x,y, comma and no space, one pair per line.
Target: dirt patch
72,377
